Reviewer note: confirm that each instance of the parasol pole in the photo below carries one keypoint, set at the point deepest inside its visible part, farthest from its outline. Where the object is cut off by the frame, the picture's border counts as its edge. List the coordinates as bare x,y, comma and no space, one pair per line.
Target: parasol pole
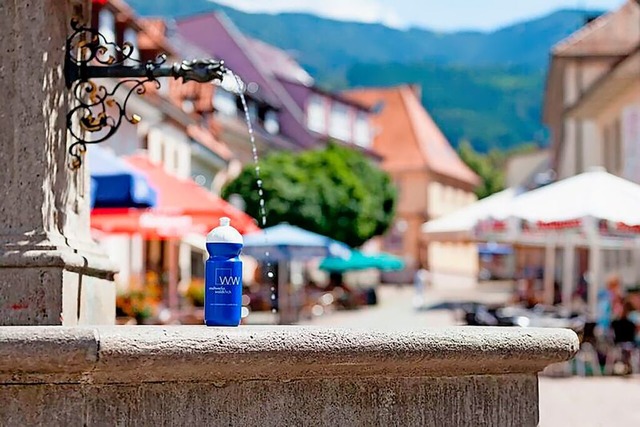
568,271
549,269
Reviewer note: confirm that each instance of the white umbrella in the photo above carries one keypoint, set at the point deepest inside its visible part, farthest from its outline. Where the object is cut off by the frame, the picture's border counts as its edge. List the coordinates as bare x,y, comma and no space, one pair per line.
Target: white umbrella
580,202
591,195
463,222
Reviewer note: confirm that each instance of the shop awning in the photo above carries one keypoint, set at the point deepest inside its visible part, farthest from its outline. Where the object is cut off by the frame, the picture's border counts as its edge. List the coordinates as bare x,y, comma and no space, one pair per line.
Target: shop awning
183,207
116,184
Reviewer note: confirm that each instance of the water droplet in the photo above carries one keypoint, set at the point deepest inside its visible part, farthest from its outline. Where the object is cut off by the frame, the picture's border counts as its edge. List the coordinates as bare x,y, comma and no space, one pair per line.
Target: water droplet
270,274
267,253
273,310
254,149
273,297
273,289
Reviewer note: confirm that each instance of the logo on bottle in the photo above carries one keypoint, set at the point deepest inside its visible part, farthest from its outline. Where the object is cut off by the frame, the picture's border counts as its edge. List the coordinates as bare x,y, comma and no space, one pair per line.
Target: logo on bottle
225,277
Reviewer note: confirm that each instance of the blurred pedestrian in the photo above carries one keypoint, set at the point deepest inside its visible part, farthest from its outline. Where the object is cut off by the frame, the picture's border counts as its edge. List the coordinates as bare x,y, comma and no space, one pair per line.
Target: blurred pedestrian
624,336
421,280
610,303
624,330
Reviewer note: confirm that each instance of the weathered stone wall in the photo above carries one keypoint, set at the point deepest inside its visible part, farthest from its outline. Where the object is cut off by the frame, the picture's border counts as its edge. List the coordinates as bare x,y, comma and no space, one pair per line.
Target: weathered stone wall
282,376
49,266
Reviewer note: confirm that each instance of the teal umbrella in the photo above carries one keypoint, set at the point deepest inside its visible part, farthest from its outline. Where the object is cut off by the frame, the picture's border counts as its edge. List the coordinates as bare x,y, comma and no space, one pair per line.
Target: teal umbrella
360,261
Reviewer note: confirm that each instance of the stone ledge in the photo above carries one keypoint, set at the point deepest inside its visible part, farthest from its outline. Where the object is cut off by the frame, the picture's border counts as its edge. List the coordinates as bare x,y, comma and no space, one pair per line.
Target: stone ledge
120,354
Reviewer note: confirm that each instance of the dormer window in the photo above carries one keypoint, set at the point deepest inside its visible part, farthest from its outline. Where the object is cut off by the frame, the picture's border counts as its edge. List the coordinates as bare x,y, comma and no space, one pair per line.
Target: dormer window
340,125
362,130
316,114
271,123
253,111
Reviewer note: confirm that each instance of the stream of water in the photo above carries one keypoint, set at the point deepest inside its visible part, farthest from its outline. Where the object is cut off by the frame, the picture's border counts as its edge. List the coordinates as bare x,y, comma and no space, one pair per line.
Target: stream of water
256,162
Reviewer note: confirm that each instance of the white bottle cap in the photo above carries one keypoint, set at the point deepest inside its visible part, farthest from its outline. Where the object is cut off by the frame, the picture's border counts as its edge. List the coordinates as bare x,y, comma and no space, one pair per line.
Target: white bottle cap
225,233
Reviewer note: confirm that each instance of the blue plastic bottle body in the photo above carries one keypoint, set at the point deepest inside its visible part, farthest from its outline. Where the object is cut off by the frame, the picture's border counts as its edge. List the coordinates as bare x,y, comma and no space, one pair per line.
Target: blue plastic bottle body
223,285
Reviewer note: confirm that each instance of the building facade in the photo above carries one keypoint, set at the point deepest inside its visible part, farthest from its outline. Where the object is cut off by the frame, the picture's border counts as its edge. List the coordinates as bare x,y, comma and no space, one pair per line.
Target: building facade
301,114
432,180
592,97
592,107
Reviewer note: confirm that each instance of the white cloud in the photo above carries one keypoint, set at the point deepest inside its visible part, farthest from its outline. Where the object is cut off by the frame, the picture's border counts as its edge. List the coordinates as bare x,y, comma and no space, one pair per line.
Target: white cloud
352,10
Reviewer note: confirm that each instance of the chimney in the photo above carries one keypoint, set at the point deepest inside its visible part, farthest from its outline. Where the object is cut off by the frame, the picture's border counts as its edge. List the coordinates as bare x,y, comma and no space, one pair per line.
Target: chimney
416,88
590,17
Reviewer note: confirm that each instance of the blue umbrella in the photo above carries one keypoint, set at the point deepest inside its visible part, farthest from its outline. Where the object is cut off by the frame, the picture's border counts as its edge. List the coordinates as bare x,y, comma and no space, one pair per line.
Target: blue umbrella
286,242
115,184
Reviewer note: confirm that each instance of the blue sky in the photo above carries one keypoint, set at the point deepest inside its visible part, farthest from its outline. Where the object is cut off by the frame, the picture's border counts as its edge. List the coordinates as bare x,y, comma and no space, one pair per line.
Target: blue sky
446,15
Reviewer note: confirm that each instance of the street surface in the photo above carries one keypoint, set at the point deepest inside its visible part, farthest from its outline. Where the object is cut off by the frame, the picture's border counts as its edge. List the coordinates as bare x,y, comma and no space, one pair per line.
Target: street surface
395,310
564,402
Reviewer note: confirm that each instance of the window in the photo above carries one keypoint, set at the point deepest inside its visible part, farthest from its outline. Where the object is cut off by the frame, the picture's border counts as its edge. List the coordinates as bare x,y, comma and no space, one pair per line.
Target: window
340,124
253,110
617,146
394,239
607,147
316,115
131,36
224,102
362,131
613,147
107,26
176,160
188,106
168,157
144,141
271,123
155,146
434,199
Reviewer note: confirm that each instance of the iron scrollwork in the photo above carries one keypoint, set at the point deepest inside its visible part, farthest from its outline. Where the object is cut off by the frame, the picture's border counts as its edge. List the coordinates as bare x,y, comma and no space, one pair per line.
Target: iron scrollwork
97,113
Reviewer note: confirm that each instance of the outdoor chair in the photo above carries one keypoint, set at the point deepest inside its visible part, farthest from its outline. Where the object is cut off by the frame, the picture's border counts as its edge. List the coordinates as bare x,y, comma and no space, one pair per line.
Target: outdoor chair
587,356
616,354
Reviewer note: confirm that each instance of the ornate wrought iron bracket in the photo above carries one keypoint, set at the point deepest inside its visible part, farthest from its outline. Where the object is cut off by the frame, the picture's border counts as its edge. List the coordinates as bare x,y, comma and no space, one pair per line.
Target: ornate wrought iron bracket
97,114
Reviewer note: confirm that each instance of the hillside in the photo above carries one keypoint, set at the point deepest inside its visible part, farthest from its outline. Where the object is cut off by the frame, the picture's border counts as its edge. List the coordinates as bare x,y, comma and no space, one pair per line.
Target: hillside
481,86
493,107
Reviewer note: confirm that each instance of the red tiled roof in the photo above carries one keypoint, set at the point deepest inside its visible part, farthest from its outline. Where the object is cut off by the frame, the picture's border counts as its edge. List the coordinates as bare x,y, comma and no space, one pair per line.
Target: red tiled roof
409,138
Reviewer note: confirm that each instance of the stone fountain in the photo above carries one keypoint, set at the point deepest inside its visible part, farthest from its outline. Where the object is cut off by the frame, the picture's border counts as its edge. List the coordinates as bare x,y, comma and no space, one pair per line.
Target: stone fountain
52,274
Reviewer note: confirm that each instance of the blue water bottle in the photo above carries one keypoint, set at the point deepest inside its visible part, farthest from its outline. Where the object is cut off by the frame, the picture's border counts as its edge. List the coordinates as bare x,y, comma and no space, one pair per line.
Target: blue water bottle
223,276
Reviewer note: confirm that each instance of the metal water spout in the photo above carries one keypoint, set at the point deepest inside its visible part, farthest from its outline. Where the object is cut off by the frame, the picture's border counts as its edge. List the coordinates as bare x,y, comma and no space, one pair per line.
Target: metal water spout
97,112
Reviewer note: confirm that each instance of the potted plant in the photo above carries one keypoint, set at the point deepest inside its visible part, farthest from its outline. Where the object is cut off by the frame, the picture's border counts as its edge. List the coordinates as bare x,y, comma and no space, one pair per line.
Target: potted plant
136,304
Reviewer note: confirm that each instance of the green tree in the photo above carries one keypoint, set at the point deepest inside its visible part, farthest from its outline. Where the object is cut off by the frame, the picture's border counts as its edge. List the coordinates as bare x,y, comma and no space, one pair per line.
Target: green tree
490,167
337,192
